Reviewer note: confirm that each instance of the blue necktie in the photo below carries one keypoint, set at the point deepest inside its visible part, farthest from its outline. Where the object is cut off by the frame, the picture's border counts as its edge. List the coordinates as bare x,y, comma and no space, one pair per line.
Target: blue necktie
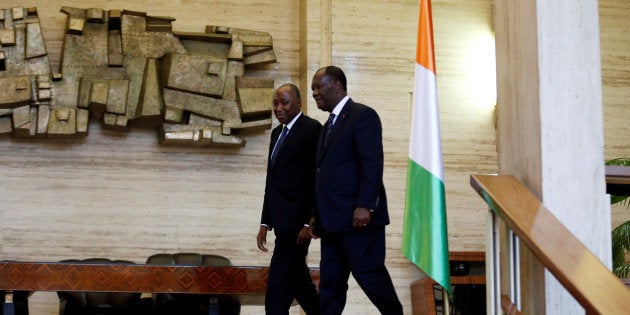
329,127
276,148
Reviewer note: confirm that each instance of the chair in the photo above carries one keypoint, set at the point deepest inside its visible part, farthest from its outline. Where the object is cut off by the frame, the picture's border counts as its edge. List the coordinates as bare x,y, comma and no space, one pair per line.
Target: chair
100,303
193,304
20,301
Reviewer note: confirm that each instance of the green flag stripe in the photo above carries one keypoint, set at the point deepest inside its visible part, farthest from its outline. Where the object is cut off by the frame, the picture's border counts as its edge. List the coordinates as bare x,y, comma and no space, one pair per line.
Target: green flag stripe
425,240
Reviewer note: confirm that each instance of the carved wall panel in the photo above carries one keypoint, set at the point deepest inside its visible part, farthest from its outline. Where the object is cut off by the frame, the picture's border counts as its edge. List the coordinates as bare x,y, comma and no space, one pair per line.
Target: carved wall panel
128,69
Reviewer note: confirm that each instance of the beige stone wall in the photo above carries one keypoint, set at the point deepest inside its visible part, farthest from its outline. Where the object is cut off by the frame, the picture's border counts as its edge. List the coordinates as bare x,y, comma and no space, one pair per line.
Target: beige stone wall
615,48
123,196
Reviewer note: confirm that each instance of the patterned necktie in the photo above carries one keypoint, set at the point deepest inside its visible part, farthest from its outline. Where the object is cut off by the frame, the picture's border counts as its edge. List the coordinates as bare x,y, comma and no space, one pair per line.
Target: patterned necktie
276,148
329,128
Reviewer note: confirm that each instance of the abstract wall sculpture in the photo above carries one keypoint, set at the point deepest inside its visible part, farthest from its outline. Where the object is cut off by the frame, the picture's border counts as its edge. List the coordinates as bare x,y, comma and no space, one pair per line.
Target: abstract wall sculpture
127,69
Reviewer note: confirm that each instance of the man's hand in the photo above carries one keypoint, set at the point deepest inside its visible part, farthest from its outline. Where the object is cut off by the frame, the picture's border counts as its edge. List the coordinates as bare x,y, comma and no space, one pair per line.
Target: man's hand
262,238
304,237
361,217
311,230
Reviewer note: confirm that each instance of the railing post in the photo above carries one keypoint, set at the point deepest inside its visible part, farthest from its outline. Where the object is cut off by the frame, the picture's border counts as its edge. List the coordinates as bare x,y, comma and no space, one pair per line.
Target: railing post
493,265
515,270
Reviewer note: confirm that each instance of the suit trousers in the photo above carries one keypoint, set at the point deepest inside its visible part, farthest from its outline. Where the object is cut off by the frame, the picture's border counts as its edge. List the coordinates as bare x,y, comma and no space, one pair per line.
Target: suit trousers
362,252
289,277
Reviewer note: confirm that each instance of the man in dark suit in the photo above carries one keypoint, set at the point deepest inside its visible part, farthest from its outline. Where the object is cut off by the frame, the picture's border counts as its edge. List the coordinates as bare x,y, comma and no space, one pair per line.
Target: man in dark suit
288,204
351,207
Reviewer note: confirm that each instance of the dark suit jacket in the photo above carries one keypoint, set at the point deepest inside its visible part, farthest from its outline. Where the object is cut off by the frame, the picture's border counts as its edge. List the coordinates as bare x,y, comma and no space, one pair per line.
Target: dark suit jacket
289,189
350,170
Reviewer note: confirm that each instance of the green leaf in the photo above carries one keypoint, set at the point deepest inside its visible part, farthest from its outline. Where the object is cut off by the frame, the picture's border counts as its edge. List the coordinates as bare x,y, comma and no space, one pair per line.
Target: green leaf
620,245
620,234
619,162
622,271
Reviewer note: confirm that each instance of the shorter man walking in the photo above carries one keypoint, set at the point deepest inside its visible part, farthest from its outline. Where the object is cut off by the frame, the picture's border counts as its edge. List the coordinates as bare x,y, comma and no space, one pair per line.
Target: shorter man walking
288,204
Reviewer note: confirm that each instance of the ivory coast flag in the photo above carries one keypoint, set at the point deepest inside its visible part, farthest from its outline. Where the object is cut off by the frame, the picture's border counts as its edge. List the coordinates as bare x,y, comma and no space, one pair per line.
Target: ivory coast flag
424,240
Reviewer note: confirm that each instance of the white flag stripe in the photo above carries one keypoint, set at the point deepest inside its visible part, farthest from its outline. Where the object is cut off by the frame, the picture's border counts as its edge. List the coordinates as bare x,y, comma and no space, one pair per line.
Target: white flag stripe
425,124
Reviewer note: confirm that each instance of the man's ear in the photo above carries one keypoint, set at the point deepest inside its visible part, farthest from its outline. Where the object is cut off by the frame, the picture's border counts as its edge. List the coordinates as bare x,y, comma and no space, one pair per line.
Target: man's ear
338,87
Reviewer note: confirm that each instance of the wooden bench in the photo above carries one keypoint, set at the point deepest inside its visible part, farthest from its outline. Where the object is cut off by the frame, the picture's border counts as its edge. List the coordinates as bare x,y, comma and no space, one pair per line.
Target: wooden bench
248,283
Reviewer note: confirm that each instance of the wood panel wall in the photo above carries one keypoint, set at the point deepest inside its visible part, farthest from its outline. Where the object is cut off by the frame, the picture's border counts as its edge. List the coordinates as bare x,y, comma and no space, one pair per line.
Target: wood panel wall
123,196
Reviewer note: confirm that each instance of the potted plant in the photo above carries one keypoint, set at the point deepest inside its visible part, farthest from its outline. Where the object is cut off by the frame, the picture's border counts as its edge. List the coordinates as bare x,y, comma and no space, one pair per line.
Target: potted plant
621,234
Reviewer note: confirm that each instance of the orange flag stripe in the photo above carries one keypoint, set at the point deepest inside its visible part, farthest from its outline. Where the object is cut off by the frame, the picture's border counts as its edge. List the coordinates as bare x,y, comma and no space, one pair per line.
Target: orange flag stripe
424,51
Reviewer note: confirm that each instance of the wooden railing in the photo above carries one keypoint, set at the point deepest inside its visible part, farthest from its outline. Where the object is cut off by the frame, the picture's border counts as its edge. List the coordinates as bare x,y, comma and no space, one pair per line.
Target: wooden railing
590,282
